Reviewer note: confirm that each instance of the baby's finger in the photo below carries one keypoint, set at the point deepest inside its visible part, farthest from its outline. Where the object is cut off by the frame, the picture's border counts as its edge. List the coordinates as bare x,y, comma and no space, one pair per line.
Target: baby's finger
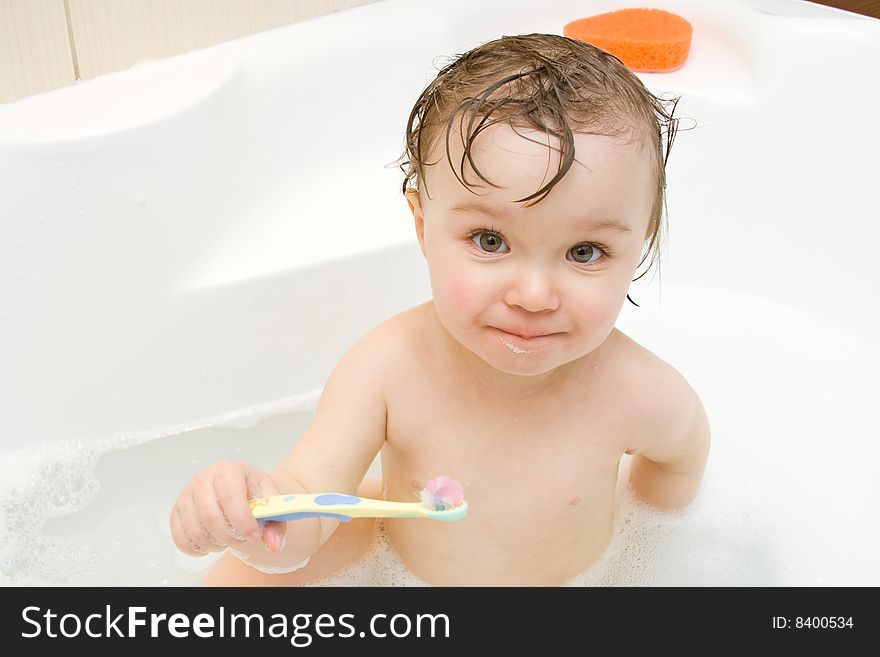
193,517
232,496
260,484
212,514
273,535
181,539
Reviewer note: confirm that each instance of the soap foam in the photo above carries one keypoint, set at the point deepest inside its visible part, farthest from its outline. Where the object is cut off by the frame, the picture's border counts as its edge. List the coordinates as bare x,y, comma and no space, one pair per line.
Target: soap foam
58,479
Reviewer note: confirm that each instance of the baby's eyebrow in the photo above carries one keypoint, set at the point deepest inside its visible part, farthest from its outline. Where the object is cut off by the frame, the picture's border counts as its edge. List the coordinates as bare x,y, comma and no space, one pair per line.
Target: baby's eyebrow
500,214
609,223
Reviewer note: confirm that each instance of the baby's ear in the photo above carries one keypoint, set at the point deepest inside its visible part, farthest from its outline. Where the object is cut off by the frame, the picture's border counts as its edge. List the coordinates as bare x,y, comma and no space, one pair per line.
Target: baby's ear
415,206
412,199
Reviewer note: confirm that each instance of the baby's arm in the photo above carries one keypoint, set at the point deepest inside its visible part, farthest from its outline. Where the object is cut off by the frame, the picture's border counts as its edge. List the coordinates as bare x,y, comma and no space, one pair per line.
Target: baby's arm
667,468
347,432
212,512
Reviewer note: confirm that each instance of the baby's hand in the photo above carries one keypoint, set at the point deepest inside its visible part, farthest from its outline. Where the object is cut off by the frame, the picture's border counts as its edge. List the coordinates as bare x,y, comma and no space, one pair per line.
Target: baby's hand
213,512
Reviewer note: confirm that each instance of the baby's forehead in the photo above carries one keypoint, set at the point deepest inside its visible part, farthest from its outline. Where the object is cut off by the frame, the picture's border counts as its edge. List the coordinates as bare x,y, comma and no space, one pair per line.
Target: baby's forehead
611,177
533,142
520,157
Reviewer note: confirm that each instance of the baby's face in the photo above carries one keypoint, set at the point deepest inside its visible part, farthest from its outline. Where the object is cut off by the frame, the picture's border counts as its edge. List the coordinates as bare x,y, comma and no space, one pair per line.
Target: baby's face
529,290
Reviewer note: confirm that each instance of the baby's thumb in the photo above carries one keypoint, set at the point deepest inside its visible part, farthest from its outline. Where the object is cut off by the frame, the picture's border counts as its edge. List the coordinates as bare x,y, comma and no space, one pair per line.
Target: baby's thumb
260,484
273,535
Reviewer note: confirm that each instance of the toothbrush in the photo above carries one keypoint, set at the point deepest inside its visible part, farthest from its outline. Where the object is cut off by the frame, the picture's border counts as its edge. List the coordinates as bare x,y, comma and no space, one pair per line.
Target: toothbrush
346,507
442,499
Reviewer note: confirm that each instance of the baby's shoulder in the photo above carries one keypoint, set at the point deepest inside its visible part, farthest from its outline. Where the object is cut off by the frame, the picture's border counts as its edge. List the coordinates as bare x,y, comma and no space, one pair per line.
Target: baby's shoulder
368,372
658,397
638,365
391,343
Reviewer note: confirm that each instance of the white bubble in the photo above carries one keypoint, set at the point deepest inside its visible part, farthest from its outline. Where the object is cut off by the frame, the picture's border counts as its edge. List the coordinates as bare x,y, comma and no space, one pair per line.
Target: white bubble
15,524
75,483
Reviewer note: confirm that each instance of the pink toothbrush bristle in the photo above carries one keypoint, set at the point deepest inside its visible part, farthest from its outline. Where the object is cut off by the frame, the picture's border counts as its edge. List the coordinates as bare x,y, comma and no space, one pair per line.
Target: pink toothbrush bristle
442,493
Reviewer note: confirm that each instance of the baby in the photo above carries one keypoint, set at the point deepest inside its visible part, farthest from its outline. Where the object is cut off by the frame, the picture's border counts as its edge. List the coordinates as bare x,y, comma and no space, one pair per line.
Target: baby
535,175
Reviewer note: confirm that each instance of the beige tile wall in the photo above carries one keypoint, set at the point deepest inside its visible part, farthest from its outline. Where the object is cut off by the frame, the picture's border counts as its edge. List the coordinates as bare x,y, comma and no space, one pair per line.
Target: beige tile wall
49,43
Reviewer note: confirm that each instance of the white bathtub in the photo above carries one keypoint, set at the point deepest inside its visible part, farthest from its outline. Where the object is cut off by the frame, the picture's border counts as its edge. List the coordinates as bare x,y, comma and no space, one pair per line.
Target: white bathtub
188,247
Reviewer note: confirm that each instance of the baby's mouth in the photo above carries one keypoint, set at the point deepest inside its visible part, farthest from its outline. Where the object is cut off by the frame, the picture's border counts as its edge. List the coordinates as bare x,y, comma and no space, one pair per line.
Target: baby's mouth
520,344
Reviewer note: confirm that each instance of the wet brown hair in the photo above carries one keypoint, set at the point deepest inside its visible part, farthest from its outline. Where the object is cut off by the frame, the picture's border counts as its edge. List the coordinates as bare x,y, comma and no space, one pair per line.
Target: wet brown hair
545,81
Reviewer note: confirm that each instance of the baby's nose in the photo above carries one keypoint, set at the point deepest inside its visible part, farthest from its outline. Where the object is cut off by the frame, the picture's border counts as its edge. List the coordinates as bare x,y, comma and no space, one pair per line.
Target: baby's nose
532,290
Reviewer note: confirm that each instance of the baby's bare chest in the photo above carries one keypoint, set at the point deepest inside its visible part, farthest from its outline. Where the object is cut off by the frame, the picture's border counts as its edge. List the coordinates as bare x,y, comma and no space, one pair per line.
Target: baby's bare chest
540,484
562,451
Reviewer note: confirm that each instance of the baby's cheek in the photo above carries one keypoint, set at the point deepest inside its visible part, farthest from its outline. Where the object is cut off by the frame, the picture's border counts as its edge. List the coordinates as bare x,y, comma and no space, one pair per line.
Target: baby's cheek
599,312
609,311
460,290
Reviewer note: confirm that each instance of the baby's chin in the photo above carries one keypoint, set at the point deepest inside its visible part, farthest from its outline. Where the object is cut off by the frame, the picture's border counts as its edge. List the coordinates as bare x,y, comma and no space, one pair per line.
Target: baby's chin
516,361
527,366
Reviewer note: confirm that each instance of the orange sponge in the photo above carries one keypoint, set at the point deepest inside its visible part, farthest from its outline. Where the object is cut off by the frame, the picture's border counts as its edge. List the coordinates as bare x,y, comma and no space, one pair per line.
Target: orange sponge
648,40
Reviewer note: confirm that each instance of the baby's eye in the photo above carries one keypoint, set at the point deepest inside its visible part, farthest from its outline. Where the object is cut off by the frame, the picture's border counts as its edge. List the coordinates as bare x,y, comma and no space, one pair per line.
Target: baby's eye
489,242
585,254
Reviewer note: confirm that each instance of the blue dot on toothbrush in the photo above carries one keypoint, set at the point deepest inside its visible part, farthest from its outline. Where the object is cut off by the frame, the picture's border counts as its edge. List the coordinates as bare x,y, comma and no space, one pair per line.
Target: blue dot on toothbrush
335,498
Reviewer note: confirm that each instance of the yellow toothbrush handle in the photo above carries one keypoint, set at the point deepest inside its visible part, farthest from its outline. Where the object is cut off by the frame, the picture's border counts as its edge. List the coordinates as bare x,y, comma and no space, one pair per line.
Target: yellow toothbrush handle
332,505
